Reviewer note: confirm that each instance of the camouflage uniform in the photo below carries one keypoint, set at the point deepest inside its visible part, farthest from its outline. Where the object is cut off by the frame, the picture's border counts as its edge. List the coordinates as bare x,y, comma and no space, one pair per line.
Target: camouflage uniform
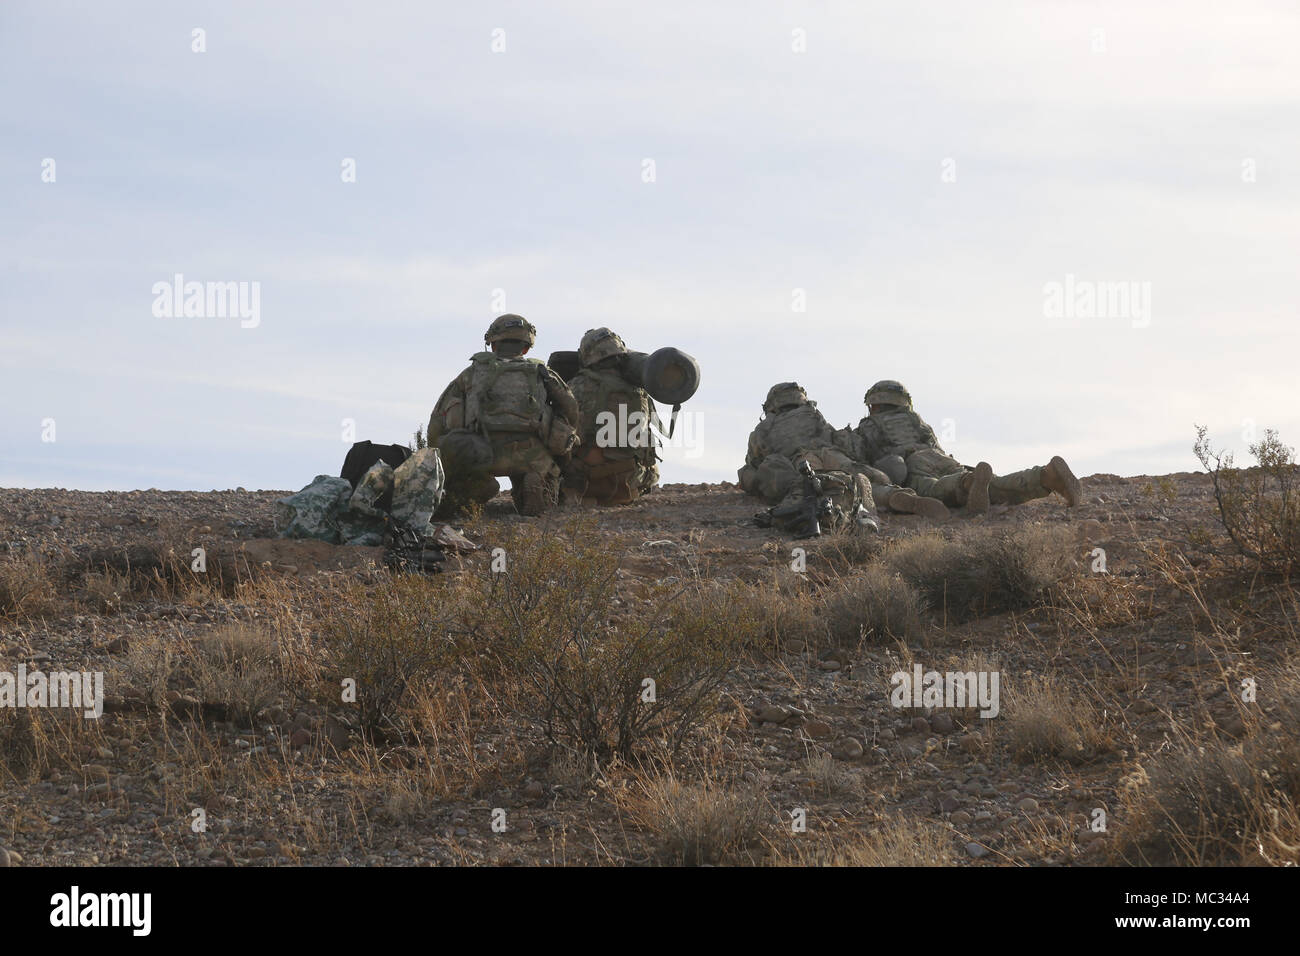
509,416
895,429
617,461
793,430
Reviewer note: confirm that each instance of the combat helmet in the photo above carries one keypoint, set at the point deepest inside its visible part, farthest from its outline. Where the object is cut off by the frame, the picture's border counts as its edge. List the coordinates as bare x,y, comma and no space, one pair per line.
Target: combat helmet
888,392
511,327
784,395
599,344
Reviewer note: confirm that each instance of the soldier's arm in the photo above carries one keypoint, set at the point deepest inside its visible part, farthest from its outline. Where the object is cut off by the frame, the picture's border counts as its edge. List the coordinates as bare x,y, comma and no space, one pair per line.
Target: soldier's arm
927,434
562,400
449,412
851,443
872,449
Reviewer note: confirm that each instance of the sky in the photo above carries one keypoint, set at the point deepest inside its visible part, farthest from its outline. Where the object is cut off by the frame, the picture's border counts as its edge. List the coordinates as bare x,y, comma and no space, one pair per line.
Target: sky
949,194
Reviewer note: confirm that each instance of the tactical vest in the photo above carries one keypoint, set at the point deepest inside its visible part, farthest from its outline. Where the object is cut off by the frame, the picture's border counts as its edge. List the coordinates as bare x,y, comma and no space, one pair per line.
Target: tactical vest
793,431
506,395
893,431
607,402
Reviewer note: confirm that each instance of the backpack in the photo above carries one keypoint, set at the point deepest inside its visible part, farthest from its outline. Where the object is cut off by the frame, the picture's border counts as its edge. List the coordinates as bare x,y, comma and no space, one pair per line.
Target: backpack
604,390
362,455
507,395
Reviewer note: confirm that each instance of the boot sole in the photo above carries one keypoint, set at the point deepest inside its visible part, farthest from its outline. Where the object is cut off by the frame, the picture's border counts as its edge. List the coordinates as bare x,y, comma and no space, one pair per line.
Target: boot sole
931,508
977,499
1072,490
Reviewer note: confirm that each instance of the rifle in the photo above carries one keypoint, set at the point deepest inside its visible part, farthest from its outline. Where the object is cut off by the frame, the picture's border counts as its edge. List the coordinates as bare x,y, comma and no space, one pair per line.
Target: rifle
804,517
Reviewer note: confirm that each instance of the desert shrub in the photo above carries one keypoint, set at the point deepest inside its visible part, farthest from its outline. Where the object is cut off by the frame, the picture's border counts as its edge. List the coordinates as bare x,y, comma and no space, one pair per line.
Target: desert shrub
149,666
849,548
873,605
26,588
237,669
392,637
984,572
1258,507
759,617
1219,803
895,841
708,822
105,591
1047,719
580,654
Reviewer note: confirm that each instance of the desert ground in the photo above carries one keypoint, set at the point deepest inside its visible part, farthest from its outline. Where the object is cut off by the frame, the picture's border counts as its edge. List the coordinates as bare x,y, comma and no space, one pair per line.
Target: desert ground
1148,687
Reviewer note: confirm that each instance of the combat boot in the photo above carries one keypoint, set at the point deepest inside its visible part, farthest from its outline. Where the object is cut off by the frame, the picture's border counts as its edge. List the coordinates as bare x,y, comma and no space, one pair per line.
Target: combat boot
908,502
533,494
975,486
1058,477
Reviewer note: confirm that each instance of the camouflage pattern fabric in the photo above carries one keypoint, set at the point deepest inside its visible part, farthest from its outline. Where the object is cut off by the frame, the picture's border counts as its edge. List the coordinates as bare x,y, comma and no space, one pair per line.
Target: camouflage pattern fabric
455,410
612,409
417,490
363,522
785,438
931,471
1018,487
895,431
935,475
476,454
314,511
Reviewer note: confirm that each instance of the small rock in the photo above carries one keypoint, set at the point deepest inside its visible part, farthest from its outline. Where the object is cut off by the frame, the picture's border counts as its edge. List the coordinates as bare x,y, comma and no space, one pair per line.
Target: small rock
299,739
976,850
961,818
920,725
4,858
534,789
847,748
1142,706
941,723
1028,805
771,713
817,729
829,665
255,852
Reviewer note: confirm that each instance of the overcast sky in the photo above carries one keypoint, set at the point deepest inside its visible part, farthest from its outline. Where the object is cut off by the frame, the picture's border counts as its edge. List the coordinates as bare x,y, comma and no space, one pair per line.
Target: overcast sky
834,193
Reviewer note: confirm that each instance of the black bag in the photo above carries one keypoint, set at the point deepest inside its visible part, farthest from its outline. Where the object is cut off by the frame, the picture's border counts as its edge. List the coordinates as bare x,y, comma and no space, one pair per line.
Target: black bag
364,454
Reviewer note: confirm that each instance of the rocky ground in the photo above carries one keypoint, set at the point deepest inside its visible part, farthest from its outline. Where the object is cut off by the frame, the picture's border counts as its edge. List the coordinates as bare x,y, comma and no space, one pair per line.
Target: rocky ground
1106,680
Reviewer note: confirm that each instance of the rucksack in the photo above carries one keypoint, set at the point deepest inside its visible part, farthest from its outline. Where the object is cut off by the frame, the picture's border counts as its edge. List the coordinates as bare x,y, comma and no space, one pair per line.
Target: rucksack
606,390
362,455
507,395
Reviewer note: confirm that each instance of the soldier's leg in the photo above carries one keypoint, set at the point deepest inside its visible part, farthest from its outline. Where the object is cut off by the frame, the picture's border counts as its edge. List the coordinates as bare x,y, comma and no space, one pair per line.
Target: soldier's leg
932,474
533,471
907,501
776,475
467,463
747,477
1037,482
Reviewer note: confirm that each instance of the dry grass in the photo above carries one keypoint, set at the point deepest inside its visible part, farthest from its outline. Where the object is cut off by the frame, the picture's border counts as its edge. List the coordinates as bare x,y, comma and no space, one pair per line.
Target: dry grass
898,841
26,588
694,824
875,606
984,572
237,669
1048,719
